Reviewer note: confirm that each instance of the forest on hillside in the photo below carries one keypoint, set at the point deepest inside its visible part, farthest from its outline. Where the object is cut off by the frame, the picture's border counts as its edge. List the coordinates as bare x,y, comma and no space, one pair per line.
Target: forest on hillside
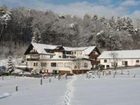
20,26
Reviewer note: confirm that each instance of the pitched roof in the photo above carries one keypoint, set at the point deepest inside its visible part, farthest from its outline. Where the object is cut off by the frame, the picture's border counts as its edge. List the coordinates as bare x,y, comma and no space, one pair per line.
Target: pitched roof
89,49
120,54
41,48
74,48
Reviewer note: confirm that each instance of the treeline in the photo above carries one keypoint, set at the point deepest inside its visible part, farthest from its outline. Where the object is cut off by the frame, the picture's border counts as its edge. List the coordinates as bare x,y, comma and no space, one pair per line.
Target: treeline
20,26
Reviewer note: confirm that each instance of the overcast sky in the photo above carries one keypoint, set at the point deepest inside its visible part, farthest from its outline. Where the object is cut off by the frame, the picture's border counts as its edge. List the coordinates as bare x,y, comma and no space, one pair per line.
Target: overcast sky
81,7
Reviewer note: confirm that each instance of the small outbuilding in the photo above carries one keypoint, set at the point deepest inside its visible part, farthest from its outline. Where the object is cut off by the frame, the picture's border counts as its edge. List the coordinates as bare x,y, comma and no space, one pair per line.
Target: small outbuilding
120,58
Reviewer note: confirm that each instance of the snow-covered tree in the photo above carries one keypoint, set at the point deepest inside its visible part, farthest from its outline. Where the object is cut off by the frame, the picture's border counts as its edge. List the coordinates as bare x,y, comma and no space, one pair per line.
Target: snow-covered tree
36,36
115,59
4,19
10,67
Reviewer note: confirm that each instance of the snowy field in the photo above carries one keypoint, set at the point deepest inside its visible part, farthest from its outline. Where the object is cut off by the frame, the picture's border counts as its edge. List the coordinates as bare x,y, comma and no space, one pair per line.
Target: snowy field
76,90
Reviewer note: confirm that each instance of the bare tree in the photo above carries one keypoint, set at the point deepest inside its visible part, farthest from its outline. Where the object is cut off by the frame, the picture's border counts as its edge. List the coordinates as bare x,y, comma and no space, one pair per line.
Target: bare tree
114,62
77,64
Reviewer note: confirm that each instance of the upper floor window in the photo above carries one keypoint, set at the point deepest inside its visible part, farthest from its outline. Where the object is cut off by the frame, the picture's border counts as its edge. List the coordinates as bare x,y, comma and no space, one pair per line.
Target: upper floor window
53,64
137,61
68,52
105,61
35,64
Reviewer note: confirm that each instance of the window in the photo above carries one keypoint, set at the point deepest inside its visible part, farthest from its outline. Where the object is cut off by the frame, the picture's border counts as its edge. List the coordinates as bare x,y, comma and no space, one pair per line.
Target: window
85,65
43,64
105,61
137,61
53,64
51,56
107,66
125,63
68,52
35,64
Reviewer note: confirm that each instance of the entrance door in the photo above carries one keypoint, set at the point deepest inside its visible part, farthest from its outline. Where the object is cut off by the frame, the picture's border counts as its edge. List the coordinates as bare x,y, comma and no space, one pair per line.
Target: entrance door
55,72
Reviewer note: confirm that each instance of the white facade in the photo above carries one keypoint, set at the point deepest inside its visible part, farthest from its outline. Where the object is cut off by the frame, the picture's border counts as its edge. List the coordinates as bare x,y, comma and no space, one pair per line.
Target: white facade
59,65
122,58
109,63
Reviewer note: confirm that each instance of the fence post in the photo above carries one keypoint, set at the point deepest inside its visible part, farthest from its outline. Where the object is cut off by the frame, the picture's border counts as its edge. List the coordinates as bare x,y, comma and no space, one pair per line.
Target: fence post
41,81
16,88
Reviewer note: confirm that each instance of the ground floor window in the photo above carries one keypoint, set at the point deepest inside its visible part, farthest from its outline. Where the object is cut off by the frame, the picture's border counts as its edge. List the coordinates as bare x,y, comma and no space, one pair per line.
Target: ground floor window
86,65
125,63
114,64
102,67
107,66
55,71
53,64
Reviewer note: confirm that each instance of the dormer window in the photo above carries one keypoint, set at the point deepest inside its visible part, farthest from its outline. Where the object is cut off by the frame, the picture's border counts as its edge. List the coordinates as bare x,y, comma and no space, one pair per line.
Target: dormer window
48,50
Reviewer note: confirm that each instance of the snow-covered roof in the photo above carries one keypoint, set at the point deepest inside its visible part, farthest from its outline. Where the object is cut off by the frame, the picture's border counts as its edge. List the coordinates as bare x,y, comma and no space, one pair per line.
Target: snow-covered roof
41,48
89,49
74,48
122,54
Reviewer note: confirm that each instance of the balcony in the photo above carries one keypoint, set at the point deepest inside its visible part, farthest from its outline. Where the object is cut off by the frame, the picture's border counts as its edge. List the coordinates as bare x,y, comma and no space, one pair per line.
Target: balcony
33,57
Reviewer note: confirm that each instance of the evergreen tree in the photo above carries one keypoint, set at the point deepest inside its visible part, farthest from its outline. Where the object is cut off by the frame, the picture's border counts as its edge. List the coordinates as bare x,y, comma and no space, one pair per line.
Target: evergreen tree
10,68
36,36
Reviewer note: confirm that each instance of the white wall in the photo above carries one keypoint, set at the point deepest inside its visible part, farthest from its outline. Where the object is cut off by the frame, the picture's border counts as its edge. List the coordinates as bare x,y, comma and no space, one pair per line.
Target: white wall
60,65
131,62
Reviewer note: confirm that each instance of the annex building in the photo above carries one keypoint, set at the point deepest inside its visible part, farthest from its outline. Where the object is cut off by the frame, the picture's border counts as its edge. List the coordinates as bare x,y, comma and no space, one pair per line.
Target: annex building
120,58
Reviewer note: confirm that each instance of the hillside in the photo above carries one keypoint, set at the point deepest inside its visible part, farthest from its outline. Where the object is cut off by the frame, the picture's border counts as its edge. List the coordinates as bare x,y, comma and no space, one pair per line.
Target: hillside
18,26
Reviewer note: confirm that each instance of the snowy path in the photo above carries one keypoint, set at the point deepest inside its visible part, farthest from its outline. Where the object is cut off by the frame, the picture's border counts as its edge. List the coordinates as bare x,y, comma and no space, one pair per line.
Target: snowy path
70,91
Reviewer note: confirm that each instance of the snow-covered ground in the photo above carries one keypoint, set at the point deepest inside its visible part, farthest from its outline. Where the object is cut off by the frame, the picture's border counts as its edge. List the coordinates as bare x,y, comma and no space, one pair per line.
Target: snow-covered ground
76,90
